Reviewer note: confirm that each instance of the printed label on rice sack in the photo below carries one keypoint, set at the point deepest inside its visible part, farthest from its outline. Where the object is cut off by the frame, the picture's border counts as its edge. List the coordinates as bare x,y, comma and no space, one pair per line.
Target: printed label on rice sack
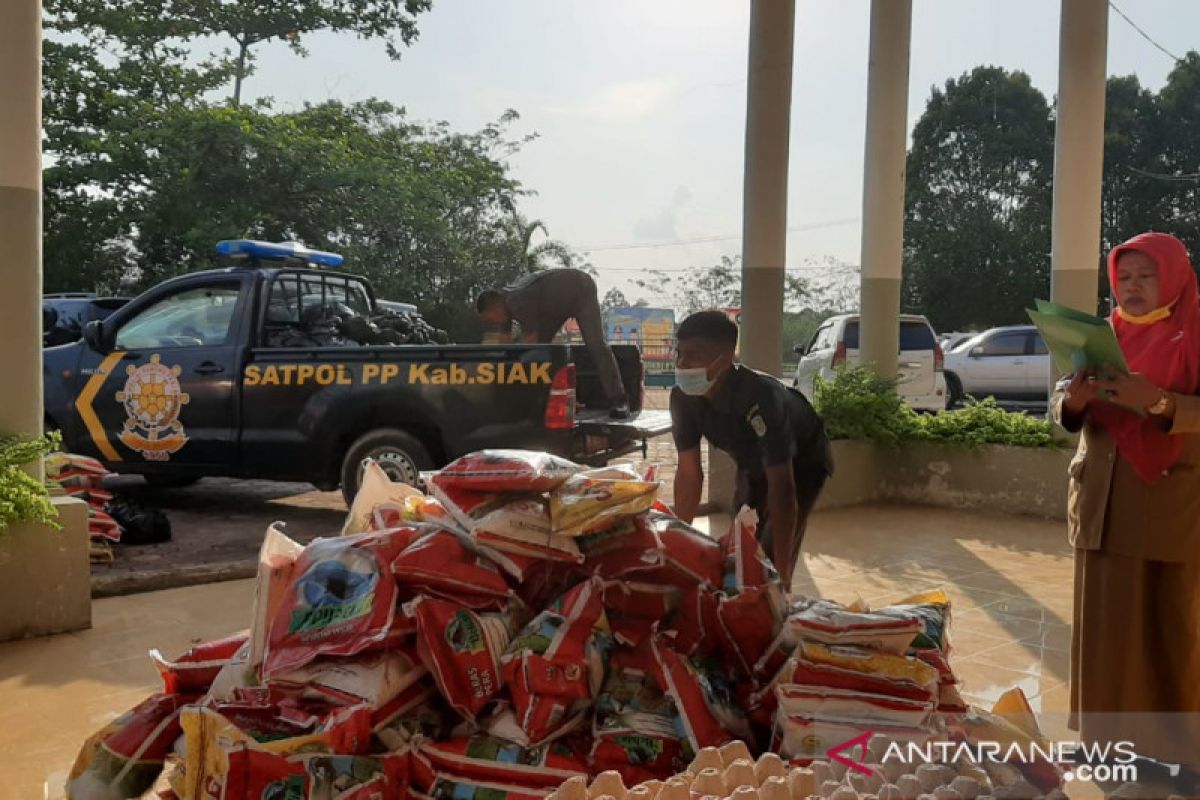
493,760
210,738
523,527
872,662
462,649
826,703
808,738
749,623
704,699
596,499
258,775
195,670
124,758
555,665
442,563
342,600
829,622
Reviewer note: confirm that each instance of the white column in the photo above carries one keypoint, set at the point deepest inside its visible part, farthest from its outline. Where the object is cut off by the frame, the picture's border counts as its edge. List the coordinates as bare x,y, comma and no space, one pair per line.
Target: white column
21,217
883,183
764,205
1079,153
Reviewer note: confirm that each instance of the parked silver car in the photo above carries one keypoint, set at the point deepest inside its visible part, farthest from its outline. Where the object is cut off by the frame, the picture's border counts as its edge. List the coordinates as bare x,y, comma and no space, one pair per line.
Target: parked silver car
1010,363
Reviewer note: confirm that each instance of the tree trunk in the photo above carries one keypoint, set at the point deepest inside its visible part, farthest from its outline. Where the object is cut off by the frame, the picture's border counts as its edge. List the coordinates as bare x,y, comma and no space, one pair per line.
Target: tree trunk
243,46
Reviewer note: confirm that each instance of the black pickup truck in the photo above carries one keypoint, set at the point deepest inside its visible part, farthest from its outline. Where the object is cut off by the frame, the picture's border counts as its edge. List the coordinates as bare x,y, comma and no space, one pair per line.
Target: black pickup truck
185,382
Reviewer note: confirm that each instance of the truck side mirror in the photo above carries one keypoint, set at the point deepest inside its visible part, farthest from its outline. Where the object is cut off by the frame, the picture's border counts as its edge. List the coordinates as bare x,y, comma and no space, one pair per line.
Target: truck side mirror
976,352
93,334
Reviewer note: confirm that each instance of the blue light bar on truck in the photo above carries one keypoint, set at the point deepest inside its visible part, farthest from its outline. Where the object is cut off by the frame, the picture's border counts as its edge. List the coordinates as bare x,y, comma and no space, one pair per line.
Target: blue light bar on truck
277,251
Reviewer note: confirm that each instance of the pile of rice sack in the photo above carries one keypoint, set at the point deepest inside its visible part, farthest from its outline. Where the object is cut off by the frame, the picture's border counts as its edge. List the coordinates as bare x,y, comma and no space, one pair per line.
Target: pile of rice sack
82,477
528,622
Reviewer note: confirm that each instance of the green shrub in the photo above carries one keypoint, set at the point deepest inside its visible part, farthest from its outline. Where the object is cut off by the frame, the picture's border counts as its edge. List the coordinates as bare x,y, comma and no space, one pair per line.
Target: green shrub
23,498
858,404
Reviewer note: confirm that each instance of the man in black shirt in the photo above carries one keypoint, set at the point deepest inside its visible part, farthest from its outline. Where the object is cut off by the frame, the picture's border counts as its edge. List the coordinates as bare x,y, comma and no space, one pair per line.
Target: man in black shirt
771,431
542,302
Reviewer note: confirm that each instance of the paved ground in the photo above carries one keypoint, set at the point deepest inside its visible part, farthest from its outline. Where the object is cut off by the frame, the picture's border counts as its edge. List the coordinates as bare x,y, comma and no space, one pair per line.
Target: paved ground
1009,579
218,524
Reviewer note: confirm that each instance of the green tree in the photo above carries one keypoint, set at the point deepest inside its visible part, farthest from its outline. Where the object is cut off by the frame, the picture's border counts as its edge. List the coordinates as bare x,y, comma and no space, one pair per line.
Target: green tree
613,298
977,216
165,27
718,286
1175,173
1132,200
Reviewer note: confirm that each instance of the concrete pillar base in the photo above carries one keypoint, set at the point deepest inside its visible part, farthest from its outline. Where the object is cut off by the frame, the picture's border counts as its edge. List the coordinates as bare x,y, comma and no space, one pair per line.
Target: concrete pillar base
45,575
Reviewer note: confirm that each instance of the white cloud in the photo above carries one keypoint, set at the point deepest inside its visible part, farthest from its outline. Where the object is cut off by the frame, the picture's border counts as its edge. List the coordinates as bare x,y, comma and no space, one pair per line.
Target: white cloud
623,101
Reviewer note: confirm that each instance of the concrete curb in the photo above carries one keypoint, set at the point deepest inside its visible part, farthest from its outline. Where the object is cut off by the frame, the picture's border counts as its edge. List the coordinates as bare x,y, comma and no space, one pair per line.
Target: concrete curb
157,580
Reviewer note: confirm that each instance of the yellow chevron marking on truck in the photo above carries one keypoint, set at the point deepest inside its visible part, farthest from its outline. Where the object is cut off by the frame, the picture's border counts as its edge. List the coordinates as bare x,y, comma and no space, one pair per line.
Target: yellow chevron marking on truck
83,404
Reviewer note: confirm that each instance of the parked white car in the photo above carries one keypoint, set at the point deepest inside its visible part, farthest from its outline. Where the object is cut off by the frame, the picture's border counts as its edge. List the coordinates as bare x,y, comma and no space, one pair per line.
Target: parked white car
949,341
920,381
1006,363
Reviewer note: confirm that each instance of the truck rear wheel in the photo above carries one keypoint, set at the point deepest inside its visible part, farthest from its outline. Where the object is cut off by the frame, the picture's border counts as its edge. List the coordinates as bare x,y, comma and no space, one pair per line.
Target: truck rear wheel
401,455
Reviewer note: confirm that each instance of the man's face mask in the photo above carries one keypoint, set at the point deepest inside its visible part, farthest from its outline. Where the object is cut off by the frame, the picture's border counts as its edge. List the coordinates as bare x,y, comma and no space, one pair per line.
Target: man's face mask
693,381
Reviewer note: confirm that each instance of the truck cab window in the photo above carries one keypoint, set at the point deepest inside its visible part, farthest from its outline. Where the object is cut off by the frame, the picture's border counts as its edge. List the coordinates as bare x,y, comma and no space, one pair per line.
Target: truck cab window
198,317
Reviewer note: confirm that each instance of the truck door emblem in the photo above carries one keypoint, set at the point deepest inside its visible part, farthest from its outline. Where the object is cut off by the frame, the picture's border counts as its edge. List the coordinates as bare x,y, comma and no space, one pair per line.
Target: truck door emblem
153,398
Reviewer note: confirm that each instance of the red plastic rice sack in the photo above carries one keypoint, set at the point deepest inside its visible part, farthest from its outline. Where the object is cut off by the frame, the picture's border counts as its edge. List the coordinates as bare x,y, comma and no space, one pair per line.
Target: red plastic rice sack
103,526
554,666
125,757
636,726
255,775
194,671
640,600
507,471
342,600
805,738
629,547
453,787
829,703
799,670
523,527
830,622
749,623
417,711
211,736
63,462
462,650
694,555
374,678
697,698
439,562
745,564
695,626
596,499
485,758
465,507
871,662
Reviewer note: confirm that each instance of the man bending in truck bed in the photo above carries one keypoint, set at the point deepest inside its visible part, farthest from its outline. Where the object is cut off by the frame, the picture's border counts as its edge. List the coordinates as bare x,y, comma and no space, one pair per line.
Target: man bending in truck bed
542,303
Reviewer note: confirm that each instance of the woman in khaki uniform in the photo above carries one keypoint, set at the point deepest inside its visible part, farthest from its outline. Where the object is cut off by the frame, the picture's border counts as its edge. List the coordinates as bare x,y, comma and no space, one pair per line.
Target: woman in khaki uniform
1134,514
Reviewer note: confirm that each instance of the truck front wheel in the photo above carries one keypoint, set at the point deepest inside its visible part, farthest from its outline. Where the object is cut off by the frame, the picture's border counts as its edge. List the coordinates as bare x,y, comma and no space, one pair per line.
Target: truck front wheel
401,455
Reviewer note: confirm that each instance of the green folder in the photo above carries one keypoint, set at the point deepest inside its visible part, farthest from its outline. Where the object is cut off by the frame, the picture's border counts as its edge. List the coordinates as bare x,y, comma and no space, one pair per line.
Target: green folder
1078,341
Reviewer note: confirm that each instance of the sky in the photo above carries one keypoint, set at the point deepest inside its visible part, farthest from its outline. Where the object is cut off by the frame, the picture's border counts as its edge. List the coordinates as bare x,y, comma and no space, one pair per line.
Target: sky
639,105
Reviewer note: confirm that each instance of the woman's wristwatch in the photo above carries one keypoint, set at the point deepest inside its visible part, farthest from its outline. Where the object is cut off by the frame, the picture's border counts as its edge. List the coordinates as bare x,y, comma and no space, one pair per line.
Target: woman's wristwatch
1160,408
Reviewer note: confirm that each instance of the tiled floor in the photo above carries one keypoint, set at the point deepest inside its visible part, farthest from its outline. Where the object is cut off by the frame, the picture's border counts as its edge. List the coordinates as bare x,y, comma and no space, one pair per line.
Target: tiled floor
1009,578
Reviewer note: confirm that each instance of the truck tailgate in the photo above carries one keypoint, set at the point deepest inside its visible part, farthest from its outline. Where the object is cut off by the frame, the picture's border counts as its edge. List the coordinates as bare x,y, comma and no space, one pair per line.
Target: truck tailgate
643,425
